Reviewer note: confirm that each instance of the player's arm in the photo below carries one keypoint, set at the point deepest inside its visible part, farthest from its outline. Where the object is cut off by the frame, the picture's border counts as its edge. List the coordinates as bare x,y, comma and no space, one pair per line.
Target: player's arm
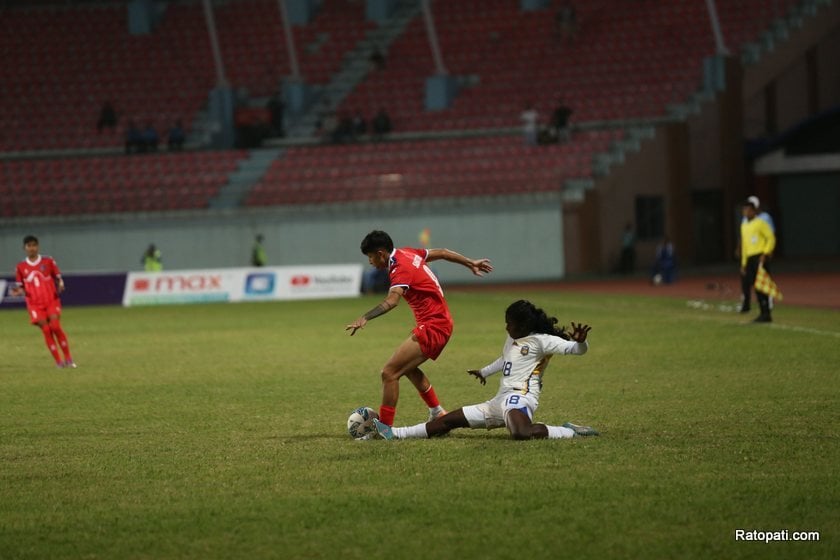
56,273
478,266
578,345
488,370
390,302
18,288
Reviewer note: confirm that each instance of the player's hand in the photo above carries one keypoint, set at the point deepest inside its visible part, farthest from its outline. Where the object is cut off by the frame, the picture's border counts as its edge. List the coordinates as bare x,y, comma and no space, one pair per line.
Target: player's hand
579,332
476,373
16,291
481,267
356,325
61,286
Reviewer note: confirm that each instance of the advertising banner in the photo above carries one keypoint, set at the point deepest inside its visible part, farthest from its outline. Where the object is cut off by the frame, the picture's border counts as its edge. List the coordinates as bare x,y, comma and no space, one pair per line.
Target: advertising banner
243,284
80,289
180,286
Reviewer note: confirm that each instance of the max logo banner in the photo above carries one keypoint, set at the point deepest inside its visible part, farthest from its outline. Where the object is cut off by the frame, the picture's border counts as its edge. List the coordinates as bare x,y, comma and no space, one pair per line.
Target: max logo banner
178,283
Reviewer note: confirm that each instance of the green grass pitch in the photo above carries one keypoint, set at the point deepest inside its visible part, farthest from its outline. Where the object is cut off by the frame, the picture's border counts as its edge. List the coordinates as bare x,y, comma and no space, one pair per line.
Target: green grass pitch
218,431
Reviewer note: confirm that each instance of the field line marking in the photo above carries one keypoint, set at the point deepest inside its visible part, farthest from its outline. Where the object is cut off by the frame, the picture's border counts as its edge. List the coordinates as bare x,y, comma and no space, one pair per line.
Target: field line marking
807,330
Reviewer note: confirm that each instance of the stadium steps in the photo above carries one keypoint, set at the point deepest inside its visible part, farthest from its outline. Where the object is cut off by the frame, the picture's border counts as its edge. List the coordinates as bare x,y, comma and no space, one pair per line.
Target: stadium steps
778,31
355,68
248,173
781,29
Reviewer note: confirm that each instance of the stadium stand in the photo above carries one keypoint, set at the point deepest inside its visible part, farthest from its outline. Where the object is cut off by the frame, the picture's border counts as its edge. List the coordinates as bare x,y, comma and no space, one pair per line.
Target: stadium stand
252,42
423,169
147,183
630,59
63,61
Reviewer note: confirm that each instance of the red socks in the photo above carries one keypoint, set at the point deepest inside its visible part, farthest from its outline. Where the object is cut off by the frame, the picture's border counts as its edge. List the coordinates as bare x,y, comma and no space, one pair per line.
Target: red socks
48,338
386,414
58,332
430,398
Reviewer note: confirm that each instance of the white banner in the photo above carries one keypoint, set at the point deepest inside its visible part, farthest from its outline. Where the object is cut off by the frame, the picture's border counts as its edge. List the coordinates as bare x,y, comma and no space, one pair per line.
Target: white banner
243,284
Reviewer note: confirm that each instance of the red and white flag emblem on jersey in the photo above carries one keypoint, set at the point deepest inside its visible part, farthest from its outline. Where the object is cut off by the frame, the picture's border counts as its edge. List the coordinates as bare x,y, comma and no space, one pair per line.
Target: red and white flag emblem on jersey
765,284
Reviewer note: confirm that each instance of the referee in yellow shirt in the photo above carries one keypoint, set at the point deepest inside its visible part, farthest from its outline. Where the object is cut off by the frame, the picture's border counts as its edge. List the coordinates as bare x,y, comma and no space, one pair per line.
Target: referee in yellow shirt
757,244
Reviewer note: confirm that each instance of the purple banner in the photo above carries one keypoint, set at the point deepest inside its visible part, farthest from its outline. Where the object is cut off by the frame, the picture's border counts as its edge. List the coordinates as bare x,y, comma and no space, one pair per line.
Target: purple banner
80,289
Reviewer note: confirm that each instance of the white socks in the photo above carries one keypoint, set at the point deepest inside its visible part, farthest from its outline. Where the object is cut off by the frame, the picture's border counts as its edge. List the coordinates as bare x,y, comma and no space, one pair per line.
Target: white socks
419,431
416,431
435,411
559,432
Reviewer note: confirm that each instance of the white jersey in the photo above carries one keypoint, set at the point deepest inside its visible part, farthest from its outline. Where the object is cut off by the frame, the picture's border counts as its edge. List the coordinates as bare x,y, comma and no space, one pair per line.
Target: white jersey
523,361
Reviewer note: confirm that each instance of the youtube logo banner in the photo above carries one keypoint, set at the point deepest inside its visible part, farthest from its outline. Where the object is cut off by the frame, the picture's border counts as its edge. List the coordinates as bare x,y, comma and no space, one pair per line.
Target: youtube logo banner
242,284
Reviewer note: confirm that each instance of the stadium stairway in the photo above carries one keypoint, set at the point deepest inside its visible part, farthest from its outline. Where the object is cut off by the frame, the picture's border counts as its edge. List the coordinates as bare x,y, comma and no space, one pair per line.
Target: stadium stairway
781,29
249,172
355,68
637,130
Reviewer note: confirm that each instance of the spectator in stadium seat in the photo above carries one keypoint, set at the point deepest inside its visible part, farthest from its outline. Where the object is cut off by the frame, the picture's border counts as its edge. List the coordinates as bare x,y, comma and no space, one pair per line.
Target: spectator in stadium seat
107,117
276,108
560,121
359,125
565,22
343,132
377,59
150,137
176,137
529,118
381,124
133,139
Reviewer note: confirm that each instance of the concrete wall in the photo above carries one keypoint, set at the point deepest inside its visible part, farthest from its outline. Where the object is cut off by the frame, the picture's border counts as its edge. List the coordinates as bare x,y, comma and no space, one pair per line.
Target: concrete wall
779,91
522,235
828,68
811,201
661,168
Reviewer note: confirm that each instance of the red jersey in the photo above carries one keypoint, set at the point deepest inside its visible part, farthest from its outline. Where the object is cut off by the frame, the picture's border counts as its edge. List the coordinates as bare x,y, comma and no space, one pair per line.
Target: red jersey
408,270
38,280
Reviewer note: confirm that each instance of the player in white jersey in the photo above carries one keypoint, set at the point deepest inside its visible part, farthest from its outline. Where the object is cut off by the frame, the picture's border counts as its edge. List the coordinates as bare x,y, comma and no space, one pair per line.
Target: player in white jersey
533,338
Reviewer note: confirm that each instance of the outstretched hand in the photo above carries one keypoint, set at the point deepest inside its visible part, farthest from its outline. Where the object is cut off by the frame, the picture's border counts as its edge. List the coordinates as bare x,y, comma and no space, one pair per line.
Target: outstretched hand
476,373
356,325
480,267
579,332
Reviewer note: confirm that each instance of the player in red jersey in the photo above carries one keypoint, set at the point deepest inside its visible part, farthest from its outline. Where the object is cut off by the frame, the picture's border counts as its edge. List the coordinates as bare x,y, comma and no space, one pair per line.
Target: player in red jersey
37,277
411,278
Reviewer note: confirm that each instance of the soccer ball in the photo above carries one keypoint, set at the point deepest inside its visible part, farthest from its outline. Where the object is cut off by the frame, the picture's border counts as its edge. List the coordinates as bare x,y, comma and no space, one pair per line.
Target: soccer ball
360,421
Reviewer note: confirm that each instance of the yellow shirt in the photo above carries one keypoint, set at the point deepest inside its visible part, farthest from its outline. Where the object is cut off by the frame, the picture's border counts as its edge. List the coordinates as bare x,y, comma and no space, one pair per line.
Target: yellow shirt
756,238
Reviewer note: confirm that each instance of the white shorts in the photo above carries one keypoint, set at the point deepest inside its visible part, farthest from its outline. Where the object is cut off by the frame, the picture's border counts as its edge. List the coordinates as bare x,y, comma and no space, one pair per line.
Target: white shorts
491,414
